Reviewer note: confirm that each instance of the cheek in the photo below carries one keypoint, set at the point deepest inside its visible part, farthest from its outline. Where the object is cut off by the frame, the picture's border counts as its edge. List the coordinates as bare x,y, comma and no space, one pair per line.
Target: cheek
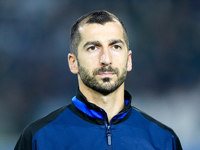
120,59
123,65
88,63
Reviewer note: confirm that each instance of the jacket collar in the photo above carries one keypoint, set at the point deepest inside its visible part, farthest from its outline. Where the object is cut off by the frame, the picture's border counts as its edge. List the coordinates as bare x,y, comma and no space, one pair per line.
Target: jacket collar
92,113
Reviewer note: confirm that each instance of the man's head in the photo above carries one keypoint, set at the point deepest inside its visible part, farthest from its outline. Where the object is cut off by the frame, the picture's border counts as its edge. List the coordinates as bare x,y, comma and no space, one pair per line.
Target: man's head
100,55
98,17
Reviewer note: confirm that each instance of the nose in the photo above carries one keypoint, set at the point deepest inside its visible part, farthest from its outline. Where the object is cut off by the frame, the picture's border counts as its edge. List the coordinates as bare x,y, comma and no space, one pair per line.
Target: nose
105,58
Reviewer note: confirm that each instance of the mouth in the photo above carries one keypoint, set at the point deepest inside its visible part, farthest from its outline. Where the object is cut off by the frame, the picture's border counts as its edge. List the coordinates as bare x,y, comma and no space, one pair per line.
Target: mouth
106,74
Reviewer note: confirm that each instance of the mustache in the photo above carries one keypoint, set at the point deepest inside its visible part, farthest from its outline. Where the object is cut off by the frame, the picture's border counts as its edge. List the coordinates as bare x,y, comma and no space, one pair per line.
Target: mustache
106,69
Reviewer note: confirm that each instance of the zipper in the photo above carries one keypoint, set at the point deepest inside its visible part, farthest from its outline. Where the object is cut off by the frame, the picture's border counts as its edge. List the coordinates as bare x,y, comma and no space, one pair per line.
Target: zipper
108,128
109,136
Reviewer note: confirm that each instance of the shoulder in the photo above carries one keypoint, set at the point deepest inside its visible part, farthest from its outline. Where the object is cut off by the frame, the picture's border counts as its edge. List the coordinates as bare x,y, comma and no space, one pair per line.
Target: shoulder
40,123
154,127
154,121
149,121
25,140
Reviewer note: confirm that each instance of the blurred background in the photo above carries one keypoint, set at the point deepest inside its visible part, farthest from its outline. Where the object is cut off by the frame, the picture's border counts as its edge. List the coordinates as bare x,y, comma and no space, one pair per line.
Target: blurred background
35,78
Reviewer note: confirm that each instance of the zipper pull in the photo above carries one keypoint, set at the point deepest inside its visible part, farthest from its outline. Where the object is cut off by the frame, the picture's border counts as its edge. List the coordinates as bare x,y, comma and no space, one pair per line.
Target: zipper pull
108,134
109,139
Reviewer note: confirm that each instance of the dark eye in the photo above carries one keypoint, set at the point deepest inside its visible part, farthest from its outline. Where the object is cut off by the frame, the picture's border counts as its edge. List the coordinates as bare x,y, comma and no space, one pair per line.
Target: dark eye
92,48
116,47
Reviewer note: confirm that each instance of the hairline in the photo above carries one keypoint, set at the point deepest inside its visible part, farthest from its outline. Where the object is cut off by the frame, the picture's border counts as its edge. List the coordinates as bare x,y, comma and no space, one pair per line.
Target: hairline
115,20
84,22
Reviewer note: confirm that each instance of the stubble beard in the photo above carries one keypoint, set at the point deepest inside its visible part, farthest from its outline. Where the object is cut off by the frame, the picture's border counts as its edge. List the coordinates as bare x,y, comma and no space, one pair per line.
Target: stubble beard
105,86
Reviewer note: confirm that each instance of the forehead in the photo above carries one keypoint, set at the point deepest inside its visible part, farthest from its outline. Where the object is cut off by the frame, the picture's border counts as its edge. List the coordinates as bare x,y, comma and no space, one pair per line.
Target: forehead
97,31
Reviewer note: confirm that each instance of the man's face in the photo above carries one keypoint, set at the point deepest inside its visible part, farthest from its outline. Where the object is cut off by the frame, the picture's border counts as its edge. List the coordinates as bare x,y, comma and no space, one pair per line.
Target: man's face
103,58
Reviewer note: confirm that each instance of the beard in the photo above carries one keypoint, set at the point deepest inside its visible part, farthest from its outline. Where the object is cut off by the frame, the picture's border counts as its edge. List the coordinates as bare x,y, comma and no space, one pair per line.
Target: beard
105,86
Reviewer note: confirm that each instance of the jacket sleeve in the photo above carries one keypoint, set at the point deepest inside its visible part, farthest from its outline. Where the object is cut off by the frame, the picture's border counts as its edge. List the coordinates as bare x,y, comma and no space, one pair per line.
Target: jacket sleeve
25,140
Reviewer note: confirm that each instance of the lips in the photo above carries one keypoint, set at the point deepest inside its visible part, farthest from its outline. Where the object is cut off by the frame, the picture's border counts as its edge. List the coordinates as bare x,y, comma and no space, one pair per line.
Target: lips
106,74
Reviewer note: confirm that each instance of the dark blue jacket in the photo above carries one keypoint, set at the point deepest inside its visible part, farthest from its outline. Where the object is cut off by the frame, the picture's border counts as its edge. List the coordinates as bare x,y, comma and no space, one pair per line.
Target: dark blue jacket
84,126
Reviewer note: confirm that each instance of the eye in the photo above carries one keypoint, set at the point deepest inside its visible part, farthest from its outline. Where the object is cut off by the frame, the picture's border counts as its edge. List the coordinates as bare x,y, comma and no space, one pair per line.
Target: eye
116,47
92,48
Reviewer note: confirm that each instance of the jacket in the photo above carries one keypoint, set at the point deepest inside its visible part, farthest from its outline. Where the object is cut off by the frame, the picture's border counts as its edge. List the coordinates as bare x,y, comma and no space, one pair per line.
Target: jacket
82,125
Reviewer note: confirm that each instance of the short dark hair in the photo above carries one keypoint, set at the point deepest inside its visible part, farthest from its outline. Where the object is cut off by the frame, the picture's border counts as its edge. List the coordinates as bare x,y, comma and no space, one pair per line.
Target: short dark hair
100,17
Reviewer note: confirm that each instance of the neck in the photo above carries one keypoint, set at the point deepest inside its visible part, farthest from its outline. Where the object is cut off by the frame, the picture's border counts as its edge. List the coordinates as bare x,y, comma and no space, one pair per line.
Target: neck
112,103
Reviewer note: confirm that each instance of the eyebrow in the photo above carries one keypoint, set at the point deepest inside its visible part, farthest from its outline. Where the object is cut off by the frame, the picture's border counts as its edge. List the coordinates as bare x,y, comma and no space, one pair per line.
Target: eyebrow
91,43
116,41
111,42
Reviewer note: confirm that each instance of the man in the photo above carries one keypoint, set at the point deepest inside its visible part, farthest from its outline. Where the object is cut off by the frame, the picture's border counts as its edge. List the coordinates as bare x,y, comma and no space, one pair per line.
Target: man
100,116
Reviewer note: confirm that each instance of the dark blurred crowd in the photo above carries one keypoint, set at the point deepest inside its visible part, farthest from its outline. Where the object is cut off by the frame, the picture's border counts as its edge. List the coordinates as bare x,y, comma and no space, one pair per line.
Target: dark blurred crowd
34,43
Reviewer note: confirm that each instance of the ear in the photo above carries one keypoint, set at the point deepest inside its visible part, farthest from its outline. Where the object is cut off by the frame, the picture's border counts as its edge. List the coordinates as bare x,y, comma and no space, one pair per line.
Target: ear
73,64
129,63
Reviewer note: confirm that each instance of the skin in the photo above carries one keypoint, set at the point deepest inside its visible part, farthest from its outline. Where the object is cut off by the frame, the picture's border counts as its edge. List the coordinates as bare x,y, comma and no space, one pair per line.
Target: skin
102,46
